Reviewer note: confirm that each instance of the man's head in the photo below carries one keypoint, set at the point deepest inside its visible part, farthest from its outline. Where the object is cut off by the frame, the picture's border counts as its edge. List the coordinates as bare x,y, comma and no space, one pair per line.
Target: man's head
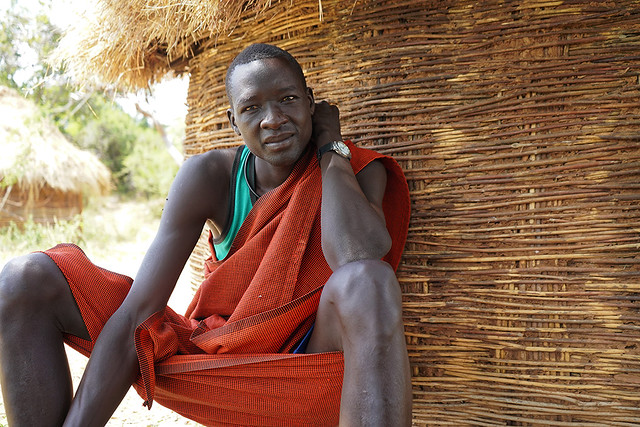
271,106
259,51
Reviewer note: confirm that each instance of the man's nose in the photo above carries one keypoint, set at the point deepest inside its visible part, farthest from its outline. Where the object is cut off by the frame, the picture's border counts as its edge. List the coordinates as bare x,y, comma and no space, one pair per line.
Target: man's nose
273,118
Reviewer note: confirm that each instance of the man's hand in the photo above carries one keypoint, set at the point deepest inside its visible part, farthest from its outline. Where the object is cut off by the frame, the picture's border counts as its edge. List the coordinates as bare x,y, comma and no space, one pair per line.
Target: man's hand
326,124
353,224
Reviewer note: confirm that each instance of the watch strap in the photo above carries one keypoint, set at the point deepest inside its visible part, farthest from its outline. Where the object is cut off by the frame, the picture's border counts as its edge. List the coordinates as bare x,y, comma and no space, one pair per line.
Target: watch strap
333,146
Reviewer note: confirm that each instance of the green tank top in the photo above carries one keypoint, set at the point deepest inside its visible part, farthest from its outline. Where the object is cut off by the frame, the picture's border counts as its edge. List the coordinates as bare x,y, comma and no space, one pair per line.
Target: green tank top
241,203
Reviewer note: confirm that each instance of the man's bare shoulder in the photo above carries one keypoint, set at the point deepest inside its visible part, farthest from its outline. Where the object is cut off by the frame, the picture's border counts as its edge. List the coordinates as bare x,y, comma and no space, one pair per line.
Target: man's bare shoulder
203,181
214,164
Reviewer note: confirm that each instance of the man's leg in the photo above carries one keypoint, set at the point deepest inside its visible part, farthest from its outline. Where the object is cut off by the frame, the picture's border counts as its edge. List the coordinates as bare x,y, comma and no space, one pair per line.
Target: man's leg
360,313
36,307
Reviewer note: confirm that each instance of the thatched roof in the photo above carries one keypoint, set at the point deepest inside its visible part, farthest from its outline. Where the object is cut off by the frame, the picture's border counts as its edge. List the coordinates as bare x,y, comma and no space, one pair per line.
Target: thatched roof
137,42
35,153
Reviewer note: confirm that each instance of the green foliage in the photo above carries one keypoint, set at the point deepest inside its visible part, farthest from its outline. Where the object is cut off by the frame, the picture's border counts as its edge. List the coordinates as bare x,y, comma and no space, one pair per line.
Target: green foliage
11,38
33,236
110,134
27,38
131,149
149,166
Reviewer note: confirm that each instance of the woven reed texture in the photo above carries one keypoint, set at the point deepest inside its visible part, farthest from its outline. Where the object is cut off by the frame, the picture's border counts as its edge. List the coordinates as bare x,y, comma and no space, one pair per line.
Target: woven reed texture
518,127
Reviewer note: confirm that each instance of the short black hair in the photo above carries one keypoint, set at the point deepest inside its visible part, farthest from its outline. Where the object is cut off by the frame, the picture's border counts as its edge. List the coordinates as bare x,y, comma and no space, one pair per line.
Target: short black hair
259,51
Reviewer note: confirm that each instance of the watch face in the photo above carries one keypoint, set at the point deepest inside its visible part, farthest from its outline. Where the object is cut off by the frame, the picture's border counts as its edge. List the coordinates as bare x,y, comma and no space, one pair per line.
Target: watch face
337,147
342,149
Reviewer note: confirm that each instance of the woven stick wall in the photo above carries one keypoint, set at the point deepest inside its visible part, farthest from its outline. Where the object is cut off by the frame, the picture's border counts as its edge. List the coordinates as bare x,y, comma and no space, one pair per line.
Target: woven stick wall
518,126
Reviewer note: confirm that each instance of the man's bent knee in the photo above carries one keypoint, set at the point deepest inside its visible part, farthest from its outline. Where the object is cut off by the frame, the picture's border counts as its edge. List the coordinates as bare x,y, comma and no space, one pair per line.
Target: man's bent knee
32,285
23,280
366,297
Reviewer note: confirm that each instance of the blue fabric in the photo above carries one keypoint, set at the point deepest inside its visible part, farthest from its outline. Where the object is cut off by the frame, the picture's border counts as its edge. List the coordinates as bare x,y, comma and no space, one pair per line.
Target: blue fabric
302,345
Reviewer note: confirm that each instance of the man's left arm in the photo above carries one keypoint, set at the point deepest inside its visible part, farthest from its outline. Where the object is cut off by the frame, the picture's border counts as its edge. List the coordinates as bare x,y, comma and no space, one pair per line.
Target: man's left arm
353,223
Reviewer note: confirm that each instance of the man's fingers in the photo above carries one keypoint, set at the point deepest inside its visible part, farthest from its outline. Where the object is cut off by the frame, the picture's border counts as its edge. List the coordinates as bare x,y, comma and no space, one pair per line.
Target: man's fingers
324,107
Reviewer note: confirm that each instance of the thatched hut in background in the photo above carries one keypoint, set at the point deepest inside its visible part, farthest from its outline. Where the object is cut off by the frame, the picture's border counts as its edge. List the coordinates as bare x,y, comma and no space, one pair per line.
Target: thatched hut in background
518,126
42,176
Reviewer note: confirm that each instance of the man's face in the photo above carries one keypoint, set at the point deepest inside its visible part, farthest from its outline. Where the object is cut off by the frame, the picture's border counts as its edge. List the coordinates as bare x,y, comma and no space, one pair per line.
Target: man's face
272,110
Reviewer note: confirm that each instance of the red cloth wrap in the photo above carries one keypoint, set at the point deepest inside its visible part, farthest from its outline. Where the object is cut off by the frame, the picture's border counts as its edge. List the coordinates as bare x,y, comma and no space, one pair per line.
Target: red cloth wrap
227,361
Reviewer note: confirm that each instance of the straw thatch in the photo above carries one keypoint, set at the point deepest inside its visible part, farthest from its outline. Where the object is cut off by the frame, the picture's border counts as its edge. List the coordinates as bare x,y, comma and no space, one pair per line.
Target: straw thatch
137,42
518,126
42,176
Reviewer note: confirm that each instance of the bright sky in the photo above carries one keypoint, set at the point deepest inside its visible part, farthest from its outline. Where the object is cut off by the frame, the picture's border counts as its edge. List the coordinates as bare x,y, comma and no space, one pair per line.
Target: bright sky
168,101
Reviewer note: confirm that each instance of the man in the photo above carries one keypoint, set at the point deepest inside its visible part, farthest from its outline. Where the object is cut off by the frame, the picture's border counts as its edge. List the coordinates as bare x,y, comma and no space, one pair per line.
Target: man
302,269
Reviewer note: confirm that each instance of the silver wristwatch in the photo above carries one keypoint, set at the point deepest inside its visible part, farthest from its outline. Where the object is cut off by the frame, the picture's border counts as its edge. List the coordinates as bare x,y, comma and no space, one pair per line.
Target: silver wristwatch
338,147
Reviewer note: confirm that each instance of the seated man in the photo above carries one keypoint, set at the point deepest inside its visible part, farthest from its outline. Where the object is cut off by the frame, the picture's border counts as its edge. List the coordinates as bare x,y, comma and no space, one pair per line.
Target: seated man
307,231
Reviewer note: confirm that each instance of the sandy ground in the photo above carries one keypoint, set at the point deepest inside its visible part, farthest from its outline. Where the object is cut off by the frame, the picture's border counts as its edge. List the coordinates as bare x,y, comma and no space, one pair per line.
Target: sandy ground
126,260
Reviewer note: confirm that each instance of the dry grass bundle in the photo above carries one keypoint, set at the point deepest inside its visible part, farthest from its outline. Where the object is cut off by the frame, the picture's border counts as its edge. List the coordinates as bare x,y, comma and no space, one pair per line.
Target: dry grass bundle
136,42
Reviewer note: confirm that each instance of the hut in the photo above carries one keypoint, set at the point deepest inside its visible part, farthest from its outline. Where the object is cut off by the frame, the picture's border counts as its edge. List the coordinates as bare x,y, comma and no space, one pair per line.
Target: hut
43,177
518,126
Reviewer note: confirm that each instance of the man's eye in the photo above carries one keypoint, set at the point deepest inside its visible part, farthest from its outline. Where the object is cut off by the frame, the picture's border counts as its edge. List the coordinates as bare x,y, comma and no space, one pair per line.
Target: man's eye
289,98
249,108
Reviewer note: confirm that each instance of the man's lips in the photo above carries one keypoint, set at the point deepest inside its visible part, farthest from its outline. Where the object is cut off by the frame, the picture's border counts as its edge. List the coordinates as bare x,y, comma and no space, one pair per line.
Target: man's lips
274,139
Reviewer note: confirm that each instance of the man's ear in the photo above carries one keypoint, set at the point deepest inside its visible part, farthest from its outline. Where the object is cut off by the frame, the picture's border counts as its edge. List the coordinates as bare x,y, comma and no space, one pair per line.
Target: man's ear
312,100
232,121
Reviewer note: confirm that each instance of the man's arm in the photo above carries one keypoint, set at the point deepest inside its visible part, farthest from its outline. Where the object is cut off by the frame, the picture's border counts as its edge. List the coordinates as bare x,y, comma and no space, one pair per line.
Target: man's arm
113,365
360,310
353,224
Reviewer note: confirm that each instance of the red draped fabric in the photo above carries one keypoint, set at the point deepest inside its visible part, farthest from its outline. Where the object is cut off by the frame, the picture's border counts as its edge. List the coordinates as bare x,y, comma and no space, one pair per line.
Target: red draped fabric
227,361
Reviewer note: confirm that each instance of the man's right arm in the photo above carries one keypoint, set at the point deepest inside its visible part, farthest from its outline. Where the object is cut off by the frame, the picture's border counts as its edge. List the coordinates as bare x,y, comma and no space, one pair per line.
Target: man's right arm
197,193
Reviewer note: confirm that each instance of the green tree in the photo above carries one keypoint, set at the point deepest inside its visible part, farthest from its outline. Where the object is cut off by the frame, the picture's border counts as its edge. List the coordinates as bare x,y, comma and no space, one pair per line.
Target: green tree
150,168
110,134
10,36
26,41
